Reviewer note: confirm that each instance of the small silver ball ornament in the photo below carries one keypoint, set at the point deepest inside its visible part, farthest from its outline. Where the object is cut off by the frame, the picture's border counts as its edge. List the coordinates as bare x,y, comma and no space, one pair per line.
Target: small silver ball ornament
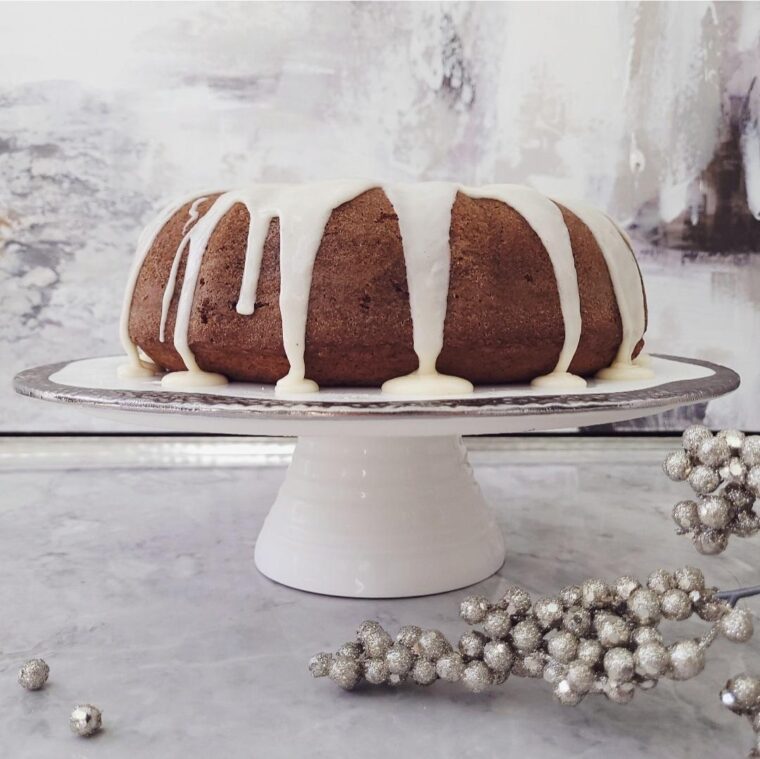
714,511
745,524
350,650
497,624
376,643
651,660
450,667
619,665
644,607
686,515
554,671
498,656
741,694
319,664
714,452
423,672
562,647
548,612
612,630
736,625
752,480
580,677
750,451
473,609
565,695
577,621
472,643
676,604
595,594
476,677
689,579
515,601
33,674
531,665
734,438
734,472
345,671
570,596
626,585
86,720
660,580
687,659
376,671
693,436
620,693
703,479
408,635
590,651
738,496
526,636
645,634
677,466
709,542
399,659
432,644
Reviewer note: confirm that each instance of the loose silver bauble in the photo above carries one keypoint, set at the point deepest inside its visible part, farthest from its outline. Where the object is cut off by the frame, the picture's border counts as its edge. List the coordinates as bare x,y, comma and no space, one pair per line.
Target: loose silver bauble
694,436
472,643
548,612
651,660
644,607
565,694
734,438
399,659
497,624
741,694
476,677
612,631
689,579
686,515
515,601
595,594
33,674
423,672
376,642
408,635
562,647
625,585
645,634
675,604
703,479
526,636
714,511
498,656
376,671
86,720
577,621
590,651
319,665
736,625
619,665
345,671
709,542
714,452
580,677
677,466
450,667
570,596
687,659
751,450
473,609
432,644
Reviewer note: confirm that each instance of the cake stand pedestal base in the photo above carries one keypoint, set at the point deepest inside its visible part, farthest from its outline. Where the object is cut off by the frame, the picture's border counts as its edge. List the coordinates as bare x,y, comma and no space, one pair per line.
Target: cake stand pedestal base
379,517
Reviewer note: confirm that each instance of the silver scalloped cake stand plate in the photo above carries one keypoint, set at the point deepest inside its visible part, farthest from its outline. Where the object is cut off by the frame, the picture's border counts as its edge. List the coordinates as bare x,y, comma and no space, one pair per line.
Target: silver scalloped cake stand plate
379,500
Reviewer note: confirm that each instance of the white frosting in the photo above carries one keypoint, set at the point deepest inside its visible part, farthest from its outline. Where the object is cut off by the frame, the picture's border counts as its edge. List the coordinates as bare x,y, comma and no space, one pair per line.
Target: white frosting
424,216
627,285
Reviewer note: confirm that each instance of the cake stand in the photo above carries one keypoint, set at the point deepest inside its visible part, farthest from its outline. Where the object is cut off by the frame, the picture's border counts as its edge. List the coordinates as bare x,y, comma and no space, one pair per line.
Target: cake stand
379,500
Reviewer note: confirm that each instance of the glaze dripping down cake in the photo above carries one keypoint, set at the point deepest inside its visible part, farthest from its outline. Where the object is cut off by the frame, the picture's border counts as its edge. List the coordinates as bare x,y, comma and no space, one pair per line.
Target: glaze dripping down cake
422,288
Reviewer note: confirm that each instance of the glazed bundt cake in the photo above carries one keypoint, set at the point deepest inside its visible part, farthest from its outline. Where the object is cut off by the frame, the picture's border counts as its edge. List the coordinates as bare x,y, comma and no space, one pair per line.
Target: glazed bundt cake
421,288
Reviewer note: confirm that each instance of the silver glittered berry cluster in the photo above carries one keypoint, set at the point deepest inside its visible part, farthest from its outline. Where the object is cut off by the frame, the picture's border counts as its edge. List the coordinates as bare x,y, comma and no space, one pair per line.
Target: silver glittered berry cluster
724,472
742,696
590,638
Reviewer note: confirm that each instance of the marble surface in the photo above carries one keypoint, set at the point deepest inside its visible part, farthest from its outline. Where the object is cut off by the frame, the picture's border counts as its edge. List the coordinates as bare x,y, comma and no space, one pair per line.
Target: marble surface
128,565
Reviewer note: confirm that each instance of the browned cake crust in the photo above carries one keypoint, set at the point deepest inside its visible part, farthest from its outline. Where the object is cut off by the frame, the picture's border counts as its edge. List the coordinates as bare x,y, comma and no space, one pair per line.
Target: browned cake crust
503,321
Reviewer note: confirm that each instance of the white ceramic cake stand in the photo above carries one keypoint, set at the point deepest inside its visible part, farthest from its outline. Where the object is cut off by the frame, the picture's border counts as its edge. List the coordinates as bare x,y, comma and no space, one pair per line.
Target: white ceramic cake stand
379,500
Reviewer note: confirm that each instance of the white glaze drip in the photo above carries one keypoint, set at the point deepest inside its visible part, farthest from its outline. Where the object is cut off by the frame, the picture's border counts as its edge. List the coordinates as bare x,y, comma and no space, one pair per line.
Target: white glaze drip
626,283
546,220
193,214
137,367
424,219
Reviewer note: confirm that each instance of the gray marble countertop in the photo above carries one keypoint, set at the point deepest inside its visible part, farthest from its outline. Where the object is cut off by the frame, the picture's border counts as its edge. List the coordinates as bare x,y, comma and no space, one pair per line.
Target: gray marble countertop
128,565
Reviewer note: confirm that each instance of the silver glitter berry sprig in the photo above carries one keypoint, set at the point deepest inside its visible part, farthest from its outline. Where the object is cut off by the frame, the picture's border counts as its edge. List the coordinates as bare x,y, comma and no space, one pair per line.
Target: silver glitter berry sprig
593,638
724,472
742,696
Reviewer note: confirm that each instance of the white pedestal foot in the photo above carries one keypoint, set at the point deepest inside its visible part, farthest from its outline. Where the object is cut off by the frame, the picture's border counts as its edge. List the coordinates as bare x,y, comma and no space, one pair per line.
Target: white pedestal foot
379,518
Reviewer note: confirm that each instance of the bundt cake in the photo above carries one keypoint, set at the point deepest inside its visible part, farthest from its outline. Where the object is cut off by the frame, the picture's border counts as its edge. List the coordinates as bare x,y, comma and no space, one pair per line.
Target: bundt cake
422,288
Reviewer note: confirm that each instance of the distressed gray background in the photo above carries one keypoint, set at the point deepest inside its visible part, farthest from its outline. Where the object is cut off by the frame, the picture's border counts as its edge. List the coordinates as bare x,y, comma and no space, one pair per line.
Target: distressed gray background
650,110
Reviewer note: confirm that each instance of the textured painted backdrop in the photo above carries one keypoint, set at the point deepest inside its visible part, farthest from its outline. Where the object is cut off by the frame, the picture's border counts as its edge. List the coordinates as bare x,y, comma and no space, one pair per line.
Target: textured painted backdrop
649,110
